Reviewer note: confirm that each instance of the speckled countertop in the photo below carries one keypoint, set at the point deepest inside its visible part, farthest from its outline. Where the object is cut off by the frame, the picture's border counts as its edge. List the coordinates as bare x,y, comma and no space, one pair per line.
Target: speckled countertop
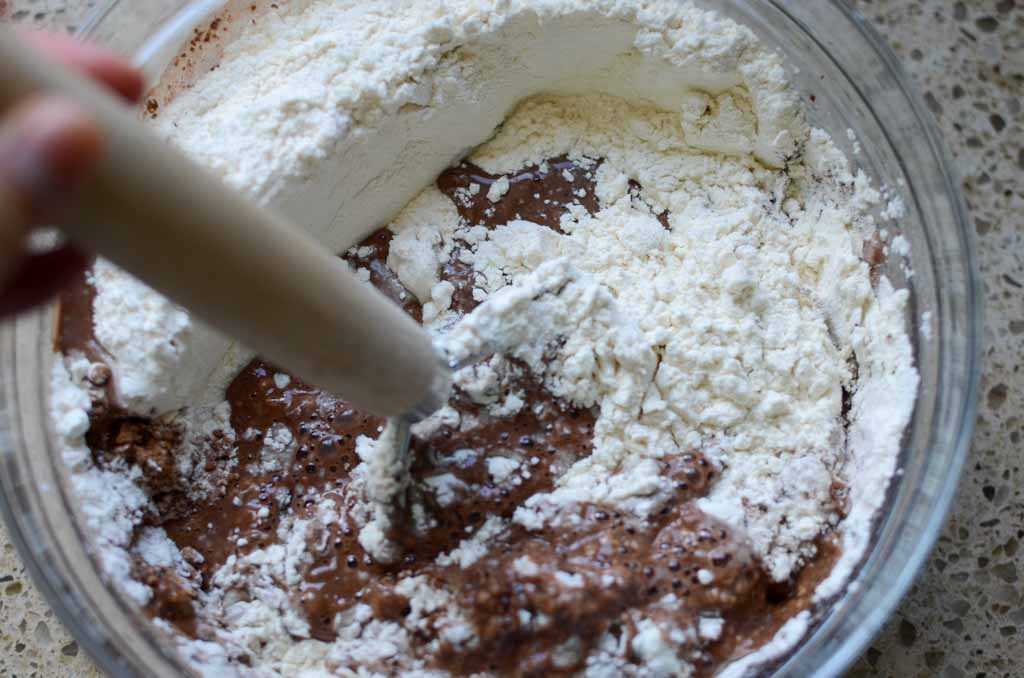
965,615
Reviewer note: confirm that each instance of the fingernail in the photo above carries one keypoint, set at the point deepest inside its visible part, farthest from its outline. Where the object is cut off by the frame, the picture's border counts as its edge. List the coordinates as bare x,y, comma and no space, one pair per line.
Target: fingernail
31,177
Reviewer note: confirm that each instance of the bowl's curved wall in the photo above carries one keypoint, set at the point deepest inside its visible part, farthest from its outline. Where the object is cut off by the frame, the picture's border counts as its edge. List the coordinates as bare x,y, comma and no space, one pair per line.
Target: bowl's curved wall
856,84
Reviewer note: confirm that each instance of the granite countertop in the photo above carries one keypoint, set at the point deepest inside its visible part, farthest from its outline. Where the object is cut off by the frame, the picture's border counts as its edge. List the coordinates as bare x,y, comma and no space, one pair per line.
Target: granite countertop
965,615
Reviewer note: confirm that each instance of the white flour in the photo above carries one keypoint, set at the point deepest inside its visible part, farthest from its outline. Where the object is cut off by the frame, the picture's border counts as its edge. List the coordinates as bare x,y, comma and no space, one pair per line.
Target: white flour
705,336
732,332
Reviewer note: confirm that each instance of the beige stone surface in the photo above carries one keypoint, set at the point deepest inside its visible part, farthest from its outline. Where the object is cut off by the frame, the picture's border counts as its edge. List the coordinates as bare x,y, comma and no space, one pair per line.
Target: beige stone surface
965,616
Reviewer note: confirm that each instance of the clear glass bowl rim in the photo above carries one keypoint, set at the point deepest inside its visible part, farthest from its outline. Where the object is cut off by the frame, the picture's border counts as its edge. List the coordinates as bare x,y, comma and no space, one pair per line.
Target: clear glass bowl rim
107,655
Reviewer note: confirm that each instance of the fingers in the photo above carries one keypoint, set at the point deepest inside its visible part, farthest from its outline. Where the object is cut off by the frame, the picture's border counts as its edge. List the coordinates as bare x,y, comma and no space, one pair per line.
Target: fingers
48,146
39,277
100,63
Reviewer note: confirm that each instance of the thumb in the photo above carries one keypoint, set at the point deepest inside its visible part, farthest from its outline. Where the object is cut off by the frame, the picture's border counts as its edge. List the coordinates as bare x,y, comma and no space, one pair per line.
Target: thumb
48,146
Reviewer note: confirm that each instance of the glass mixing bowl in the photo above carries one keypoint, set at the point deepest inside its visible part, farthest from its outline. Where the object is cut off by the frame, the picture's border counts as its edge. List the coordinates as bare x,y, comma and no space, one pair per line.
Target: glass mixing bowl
850,80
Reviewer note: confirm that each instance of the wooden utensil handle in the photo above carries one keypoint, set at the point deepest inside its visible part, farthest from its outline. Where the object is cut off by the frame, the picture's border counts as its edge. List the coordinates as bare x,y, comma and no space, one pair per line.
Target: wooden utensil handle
240,268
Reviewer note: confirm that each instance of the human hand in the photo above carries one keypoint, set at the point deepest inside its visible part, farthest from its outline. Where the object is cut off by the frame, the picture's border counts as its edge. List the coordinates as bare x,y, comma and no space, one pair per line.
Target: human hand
48,148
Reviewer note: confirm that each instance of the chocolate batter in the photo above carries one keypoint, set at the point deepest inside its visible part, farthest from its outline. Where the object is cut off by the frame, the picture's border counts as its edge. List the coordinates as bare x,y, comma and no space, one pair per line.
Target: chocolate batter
599,572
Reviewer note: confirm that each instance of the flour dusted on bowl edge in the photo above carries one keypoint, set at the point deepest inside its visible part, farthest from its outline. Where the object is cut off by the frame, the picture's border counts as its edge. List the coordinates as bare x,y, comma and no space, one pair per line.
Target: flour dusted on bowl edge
692,387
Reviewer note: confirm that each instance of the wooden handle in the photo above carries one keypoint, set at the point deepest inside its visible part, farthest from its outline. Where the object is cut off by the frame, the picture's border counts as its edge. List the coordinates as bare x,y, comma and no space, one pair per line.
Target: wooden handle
240,268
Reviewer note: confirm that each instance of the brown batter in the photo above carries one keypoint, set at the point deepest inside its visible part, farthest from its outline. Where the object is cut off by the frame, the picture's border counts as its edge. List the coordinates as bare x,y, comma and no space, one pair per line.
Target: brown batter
599,573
